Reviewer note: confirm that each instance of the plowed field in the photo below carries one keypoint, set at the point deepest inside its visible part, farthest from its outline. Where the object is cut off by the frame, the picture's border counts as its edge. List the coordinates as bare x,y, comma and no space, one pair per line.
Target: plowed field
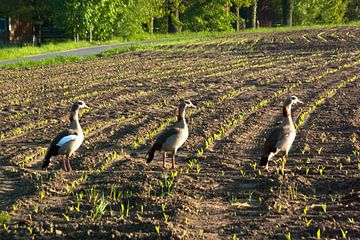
218,191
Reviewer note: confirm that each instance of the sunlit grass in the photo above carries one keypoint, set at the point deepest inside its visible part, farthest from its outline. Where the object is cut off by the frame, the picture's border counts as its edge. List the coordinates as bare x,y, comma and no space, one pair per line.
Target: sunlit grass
183,37
17,52
48,61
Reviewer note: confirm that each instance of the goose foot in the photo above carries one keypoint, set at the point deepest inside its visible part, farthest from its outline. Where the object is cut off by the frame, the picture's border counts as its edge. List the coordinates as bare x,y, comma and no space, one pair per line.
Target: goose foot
267,167
164,160
173,162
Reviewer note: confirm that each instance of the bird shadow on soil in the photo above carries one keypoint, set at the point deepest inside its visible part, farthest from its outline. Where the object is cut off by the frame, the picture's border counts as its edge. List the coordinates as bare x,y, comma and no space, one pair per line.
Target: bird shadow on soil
13,187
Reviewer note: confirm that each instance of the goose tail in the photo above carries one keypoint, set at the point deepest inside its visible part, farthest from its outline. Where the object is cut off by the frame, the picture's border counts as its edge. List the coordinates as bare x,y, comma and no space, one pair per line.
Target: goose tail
263,160
150,155
46,162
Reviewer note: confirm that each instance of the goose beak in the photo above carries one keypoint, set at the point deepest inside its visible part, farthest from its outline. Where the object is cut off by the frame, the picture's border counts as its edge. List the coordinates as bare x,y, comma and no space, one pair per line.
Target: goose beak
192,105
86,106
298,101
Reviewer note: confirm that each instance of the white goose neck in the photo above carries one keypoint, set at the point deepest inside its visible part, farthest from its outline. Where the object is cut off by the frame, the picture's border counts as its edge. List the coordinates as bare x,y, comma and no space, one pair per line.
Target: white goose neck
287,116
74,120
181,117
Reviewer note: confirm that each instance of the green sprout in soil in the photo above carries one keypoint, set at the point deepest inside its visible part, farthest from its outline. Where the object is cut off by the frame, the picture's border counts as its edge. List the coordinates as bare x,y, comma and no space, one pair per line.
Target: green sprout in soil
318,234
4,217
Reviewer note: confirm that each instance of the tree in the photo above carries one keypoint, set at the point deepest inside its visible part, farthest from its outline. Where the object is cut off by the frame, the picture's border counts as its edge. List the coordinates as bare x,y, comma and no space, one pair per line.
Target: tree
253,15
307,12
100,19
208,15
353,11
238,4
287,6
35,12
152,10
173,9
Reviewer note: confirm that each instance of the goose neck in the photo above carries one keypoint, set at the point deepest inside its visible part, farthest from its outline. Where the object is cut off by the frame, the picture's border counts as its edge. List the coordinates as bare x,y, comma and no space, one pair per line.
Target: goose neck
287,115
74,120
181,115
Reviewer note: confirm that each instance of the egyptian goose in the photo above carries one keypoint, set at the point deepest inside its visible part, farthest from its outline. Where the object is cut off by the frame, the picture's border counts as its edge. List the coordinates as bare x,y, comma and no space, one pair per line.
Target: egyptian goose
68,141
282,137
172,138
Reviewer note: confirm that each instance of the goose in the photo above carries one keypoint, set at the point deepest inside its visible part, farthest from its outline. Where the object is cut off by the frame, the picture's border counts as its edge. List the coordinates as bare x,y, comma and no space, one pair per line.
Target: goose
282,137
172,138
67,141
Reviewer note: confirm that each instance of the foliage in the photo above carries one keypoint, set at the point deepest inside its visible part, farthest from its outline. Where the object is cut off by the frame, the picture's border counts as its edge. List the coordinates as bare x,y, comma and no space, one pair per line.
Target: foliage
4,217
104,19
319,11
202,15
101,20
353,11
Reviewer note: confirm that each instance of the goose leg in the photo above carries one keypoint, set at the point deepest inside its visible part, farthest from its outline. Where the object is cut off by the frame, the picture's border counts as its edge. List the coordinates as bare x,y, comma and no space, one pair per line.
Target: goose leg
164,160
267,166
283,162
68,164
271,155
173,161
64,164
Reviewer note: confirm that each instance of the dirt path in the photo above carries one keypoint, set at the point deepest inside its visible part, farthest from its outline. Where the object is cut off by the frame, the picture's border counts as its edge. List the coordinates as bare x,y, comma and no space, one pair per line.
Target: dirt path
86,51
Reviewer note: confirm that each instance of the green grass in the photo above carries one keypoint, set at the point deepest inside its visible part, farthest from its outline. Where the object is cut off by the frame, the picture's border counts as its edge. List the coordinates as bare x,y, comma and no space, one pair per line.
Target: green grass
4,217
161,40
130,48
18,52
300,27
47,61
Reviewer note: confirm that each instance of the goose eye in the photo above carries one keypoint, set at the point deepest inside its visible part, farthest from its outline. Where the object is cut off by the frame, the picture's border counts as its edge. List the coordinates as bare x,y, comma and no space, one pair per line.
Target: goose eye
293,98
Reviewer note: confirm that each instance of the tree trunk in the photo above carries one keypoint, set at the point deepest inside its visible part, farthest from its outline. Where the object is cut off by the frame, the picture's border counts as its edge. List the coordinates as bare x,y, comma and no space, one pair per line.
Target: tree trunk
170,22
237,8
171,28
90,34
173,18
227,8
33,36
253,17
177,20
39,36
76,36
287,7
151,26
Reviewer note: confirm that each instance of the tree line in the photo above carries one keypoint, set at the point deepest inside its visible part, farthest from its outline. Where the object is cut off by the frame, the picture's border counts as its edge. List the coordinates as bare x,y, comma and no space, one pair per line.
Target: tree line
105,19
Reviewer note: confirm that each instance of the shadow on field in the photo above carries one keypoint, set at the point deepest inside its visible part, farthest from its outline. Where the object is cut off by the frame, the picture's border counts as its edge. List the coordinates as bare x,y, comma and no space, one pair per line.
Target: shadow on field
124,217
13,186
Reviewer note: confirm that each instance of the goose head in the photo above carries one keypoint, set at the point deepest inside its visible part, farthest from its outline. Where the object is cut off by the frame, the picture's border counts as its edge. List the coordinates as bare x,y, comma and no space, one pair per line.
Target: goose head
186,103
288,103
78,105
292,100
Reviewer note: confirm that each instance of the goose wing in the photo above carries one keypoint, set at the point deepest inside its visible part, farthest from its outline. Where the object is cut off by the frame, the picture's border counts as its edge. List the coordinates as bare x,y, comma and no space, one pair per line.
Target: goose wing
56,143
167,133
160,140
64,136
275,139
